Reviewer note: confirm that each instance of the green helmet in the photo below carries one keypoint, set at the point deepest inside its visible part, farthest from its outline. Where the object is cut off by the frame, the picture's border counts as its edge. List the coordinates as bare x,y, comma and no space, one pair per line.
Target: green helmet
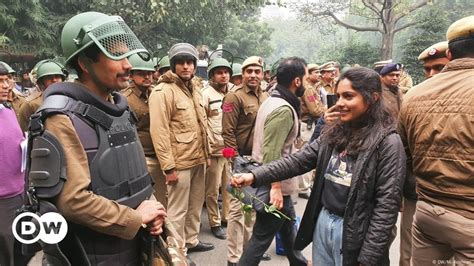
267,67
236,70
155,61
218,62
8,67
48,68
273,70
109,33
164,62
139,64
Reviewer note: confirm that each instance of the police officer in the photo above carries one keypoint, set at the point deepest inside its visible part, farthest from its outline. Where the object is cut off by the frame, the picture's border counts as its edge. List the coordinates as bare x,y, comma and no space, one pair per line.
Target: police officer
88,130
311,110
236,77
48,72
238,124
219,72
391,94
311,105
156,73
137,96
15,98
327,84
434,58
266,76
178,127
164,65
436,127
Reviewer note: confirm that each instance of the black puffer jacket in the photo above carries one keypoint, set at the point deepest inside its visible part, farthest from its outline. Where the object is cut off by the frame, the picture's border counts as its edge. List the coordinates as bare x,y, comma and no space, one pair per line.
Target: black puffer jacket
374,197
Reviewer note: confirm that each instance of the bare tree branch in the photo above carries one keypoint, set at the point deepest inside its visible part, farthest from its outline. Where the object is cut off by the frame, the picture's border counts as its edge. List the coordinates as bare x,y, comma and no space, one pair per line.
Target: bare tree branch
371,6
349,26
405,26
342,23
410,10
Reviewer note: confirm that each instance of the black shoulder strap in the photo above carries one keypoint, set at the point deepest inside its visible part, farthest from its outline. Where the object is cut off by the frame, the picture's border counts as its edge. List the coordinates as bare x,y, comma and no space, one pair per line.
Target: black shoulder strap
61,104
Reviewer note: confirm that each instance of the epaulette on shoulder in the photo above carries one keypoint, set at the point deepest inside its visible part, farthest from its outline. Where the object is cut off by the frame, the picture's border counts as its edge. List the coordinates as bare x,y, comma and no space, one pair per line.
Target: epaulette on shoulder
159,87
126,92
33,96
236,88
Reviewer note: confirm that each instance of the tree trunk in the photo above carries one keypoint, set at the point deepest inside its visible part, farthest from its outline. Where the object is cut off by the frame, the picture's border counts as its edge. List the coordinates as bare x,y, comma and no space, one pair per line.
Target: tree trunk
386,50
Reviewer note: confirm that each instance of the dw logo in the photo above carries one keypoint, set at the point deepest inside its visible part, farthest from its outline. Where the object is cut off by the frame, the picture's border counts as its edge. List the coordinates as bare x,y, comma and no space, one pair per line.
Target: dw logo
50,228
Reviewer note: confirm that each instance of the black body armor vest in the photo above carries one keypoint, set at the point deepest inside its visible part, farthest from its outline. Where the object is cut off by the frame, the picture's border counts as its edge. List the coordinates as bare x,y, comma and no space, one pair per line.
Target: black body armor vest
116,161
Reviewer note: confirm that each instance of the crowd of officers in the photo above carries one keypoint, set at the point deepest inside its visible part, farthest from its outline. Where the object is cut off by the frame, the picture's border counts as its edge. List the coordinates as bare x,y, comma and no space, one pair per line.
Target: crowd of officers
183,124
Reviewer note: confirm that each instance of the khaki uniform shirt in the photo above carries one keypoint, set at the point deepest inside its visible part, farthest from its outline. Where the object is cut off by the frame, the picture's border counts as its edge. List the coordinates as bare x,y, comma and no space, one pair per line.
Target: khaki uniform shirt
392,100
240,109
178,124
311,104
436,127
138,102
76,202
212,100
16,100
329,87
32,103
406,82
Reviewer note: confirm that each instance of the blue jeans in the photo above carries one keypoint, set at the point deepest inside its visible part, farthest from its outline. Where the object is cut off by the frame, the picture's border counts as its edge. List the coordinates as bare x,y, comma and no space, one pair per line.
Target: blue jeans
264,231
327,239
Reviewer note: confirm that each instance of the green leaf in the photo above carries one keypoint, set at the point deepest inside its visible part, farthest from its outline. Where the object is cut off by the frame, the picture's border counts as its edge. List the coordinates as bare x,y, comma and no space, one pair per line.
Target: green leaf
265,207
276,214
272,208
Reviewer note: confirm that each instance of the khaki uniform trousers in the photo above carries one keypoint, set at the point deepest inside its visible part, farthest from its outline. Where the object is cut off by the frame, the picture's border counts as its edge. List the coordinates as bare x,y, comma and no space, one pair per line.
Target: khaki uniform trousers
406,224
159,179
441,237
216,179
239,230
305,181
185,200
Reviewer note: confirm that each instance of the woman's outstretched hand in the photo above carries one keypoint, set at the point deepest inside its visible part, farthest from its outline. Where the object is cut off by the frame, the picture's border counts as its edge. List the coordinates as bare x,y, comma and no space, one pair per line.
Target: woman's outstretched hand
242,180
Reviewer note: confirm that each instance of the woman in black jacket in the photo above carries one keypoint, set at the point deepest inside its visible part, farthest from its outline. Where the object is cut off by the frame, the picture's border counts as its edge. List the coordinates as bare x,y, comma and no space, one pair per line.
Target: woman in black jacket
360,169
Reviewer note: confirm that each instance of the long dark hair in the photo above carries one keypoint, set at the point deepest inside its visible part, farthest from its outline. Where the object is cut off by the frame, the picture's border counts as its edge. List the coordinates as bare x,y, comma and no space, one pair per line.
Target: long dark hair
352,136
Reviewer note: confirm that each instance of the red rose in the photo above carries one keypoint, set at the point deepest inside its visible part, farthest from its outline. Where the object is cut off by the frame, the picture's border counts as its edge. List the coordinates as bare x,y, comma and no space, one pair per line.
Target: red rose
228,152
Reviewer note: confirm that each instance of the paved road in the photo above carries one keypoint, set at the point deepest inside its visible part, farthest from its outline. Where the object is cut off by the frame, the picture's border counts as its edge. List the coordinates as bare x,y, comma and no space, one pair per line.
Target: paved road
218,256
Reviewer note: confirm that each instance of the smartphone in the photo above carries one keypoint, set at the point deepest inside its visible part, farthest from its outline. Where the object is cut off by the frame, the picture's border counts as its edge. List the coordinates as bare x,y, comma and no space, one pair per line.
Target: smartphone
331,100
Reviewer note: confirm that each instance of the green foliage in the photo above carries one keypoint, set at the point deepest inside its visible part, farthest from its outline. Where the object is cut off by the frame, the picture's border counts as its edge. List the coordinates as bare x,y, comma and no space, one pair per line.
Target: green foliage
434,21
247,36
356,52
431,30
23,26
34,26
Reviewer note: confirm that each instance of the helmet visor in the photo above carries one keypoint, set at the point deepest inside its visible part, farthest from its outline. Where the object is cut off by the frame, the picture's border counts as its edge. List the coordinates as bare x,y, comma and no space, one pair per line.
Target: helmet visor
116,40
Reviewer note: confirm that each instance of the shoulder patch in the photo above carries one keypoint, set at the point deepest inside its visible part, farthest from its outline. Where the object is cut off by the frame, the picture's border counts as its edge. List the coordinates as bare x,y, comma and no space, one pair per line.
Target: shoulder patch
228,107
311,98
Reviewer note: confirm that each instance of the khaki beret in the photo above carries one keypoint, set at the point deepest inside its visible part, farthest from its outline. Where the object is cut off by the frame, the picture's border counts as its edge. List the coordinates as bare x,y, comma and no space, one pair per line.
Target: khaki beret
461,29
382,63
329,66
252,61
313,67
436,50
